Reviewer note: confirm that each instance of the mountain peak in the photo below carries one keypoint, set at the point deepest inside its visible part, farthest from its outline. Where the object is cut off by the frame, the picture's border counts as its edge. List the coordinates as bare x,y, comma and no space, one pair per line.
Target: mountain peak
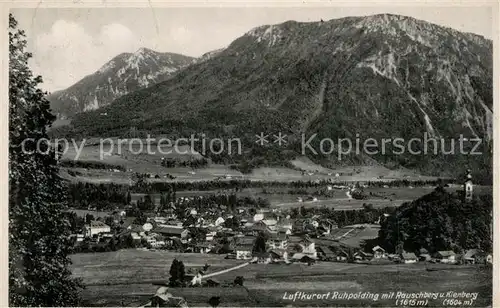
425,32
144,50
124,73
334,78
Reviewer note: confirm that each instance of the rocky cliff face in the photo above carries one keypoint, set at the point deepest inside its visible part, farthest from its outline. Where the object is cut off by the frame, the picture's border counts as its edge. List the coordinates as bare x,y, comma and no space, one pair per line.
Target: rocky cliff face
379,76
125,73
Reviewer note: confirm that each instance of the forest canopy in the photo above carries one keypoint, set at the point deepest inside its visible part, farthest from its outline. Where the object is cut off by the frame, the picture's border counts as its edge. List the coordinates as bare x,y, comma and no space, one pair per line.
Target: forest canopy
450,224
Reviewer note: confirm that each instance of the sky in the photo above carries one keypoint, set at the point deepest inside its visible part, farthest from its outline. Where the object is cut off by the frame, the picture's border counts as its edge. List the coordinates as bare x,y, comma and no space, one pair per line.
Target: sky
70,43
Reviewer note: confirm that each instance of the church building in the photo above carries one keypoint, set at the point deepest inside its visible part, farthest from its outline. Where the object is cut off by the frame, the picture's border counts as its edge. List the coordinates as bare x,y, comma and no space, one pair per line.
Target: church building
468,188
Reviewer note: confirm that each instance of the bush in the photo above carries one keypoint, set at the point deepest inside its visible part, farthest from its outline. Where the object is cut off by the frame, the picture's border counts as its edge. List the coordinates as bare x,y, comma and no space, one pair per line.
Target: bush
238,281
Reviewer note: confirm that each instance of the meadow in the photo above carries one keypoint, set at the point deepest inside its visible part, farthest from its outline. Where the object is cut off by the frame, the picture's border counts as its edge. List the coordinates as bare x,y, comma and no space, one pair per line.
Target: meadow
136,159
126,278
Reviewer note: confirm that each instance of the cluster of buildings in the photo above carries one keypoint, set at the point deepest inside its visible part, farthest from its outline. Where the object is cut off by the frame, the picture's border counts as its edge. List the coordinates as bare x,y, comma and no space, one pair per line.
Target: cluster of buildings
471,256
217,235
286,240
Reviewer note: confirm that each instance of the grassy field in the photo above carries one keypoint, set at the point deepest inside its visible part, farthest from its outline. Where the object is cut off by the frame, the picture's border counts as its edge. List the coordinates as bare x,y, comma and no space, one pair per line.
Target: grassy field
140,265
396,197
137,159
125,278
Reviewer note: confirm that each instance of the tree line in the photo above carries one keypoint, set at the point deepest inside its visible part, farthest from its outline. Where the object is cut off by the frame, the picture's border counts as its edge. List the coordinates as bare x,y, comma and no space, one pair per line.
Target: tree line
99,196
69,163
39,245
108,195
192,163
440,221
367,214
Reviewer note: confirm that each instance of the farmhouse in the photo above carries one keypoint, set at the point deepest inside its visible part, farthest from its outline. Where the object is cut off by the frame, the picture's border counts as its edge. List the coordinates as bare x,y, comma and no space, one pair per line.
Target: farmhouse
265,224
258,217
379,252
489,258
279,255
473,256
308,248
211,282
447,256
210,235
303,258
219,221
394,257
258,227
341,256
409,257
362,256
244,247
156,243
172,231
243,251
328,225
278,240
270,222
325,253
263,257
96,227
285,225
202,247
423,255
164,299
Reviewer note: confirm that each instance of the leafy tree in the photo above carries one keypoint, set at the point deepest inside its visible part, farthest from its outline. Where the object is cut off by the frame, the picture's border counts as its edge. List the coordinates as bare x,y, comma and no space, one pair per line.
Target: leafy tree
39,248
206,267
232,223
189,221
238,281
129,197
214,301
89,218
112,244
76,223
260,243
198,235
109,220
148,202
399,247
140,219
177,273
439,221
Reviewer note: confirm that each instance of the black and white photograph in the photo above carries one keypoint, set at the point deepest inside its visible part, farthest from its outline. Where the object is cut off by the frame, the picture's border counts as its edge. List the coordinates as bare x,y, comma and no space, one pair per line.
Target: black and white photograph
326,154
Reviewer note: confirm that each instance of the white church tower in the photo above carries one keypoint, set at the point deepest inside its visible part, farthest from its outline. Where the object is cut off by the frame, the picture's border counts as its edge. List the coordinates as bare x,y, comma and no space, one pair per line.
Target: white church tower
468,187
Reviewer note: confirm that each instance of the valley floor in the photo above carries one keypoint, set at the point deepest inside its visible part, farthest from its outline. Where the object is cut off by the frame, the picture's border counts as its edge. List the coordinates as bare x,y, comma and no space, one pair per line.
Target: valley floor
126,278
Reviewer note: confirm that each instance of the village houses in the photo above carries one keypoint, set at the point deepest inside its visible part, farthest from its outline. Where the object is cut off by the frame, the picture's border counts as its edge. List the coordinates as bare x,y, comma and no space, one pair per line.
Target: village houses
95,228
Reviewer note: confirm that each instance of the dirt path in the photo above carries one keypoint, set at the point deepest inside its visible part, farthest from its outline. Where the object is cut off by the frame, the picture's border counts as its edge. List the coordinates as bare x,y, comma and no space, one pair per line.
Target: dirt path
226,270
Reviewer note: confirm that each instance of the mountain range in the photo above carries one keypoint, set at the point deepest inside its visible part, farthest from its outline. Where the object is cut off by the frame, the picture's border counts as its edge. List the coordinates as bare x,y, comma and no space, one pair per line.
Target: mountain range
377,76
123,74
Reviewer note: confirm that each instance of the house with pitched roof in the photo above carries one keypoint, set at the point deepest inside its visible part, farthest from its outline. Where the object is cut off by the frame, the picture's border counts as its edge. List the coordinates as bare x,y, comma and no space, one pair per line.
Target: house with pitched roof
285,225
279,255
446,256
95,228
409,257
308,248
325,253
379,252
341,256
163,298
474,256
172,231
362,256
278,240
